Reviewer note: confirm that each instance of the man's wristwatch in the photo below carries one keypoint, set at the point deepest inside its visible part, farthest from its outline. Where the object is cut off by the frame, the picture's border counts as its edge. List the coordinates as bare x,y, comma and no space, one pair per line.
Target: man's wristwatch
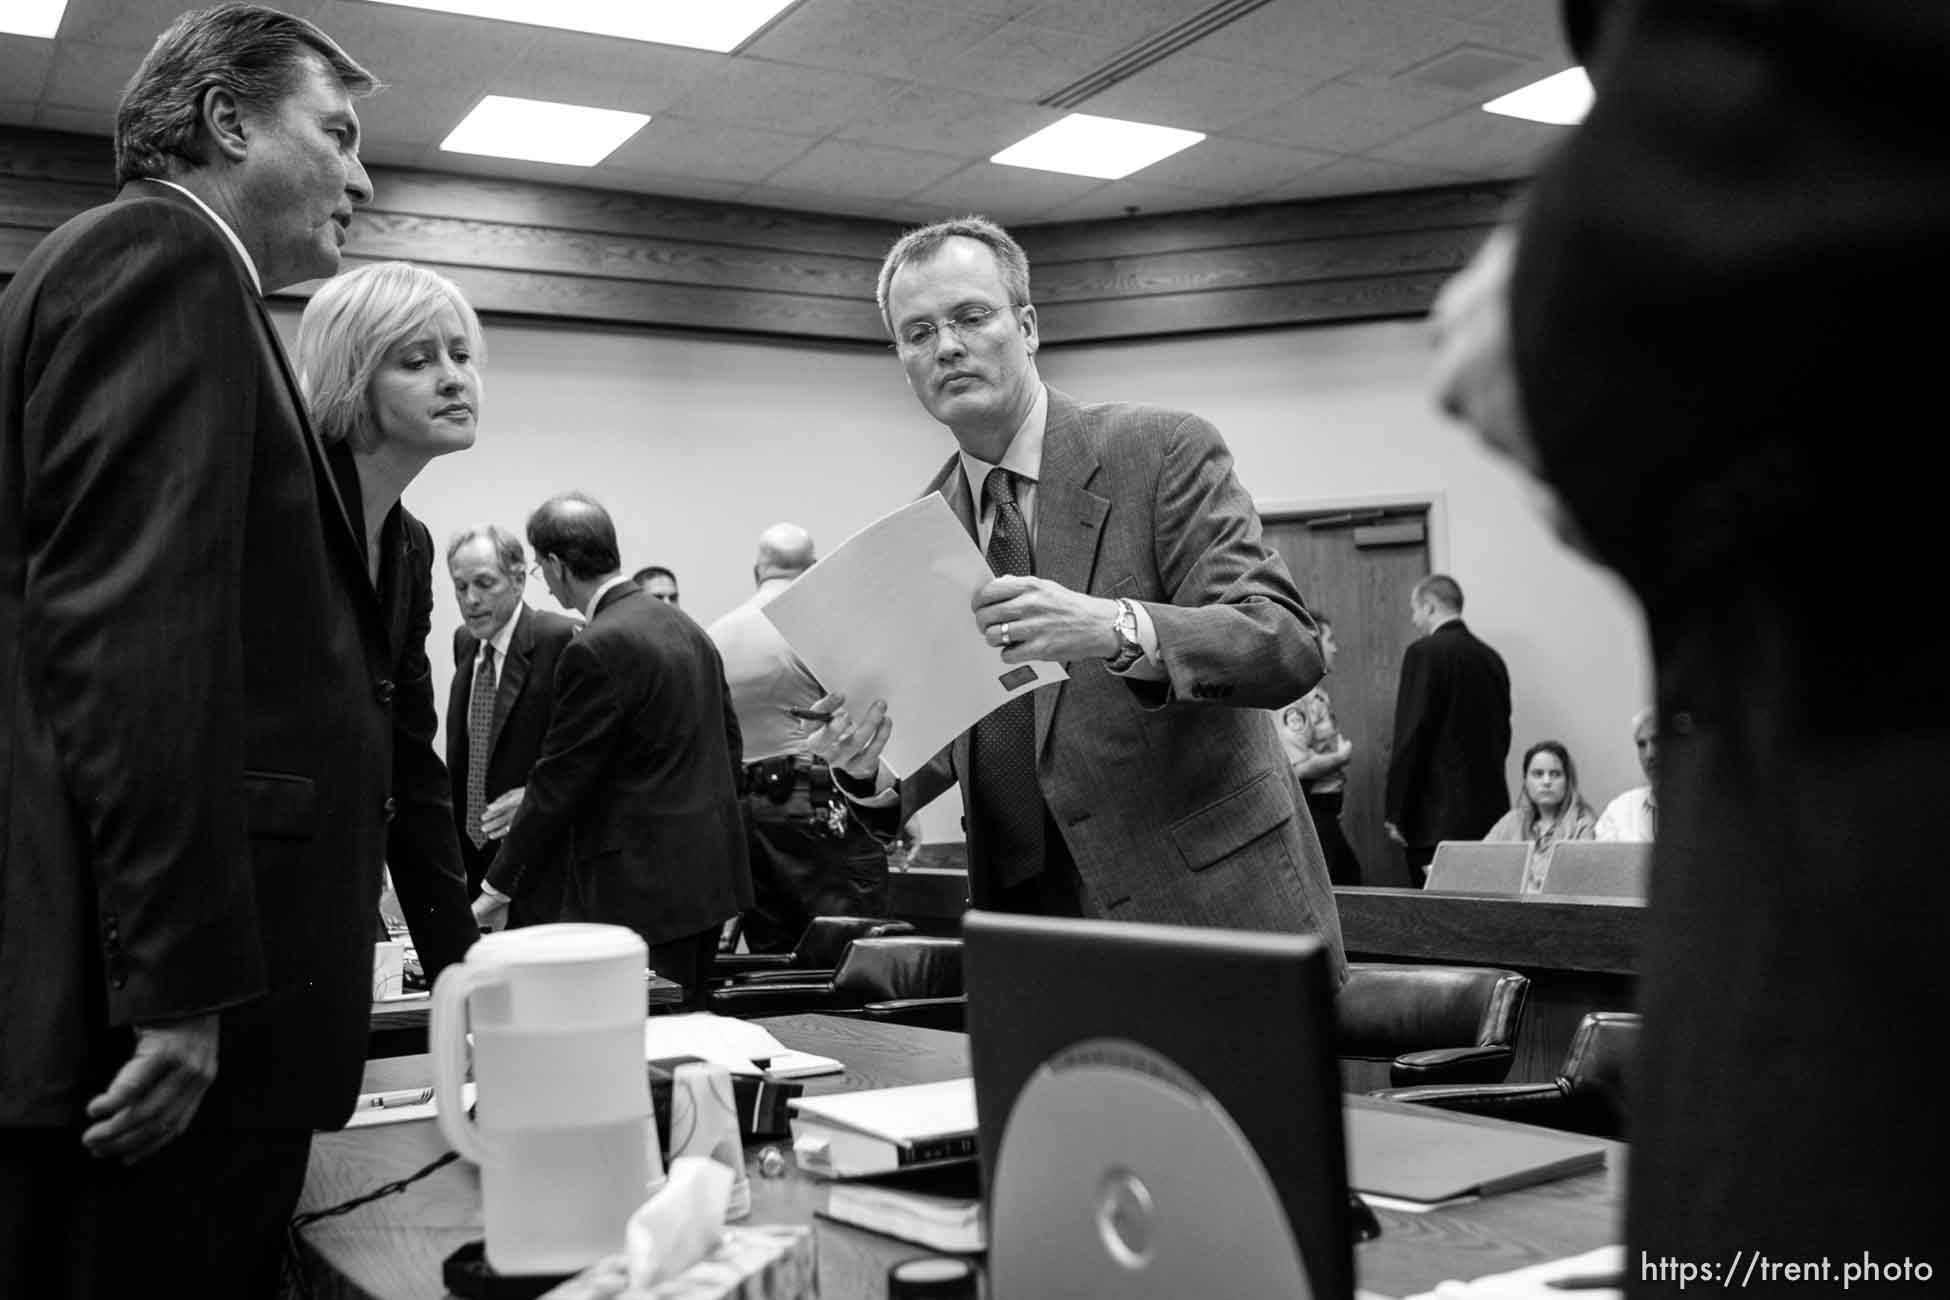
1130,649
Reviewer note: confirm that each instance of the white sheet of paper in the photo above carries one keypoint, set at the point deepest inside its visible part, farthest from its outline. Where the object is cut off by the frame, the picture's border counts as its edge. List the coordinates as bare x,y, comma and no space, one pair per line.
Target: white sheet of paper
887,617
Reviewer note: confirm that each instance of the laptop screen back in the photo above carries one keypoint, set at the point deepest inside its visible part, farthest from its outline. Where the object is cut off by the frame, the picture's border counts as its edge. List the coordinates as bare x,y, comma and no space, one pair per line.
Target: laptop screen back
1245,1019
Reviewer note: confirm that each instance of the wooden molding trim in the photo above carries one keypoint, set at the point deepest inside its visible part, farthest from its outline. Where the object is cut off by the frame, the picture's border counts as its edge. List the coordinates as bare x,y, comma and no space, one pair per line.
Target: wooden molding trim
612,258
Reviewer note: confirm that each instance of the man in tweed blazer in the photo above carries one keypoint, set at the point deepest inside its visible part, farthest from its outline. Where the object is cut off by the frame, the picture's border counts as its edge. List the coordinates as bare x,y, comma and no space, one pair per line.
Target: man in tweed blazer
1149,786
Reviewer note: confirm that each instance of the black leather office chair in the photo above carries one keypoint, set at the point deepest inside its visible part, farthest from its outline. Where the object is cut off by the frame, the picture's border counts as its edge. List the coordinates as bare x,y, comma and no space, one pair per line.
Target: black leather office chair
1431,1024
1588,1096
874,978
815,956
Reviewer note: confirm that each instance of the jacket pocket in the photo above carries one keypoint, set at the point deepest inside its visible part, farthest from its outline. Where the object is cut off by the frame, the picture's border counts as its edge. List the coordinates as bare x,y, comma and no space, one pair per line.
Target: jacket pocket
1225,826
280,807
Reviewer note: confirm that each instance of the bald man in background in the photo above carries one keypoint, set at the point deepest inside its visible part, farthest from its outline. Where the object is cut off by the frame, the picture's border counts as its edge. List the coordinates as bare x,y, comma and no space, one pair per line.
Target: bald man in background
811,853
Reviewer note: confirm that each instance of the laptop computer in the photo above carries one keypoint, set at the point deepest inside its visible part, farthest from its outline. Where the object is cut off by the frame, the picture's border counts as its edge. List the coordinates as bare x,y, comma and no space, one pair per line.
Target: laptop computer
1151,1099
1598,869
1473,867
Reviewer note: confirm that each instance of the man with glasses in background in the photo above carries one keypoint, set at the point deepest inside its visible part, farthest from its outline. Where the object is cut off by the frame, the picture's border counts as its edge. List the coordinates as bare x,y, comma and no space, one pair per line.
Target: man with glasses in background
1149,786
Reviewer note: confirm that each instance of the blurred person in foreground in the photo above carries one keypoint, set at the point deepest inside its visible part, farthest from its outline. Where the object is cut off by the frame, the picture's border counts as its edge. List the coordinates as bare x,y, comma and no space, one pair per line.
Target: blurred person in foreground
1691,339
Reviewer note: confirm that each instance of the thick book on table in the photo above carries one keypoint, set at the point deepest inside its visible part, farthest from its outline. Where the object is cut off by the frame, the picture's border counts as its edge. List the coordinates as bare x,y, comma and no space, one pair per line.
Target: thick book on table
849,1135
1436,1157
939,1207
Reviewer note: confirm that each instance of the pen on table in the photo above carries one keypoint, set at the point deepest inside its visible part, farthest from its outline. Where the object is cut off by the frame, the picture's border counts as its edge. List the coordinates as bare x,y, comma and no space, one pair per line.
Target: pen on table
404,1097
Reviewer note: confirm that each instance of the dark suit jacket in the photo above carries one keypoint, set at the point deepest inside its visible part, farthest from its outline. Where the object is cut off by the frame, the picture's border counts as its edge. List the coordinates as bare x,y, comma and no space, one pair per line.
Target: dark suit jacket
196,732
422,850
1173,797
1705,321
1452,738
639,777
524,701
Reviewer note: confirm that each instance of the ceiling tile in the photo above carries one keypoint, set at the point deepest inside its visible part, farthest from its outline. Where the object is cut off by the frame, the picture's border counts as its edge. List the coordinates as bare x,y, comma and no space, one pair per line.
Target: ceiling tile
24,64
873,35
800,101
409,114
948,121
85,75
1231,167
1475,143
1128,198
1525,26
864,170
1356,176
420,51
1316,39
712,151
1348,117
1006,193
1028,62
1133,20
1196,93
135,24
605,72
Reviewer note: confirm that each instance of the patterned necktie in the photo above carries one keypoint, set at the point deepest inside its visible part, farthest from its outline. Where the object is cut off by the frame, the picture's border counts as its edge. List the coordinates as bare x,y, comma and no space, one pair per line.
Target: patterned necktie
480,723
1008,802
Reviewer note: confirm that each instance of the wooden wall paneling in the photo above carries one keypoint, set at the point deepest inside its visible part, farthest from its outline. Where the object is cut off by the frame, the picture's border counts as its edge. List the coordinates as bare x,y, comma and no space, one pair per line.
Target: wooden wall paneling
609,257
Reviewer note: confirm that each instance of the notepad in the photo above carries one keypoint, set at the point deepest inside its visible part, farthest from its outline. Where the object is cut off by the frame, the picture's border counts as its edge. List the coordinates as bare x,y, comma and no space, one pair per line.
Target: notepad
1434,1157
739,1045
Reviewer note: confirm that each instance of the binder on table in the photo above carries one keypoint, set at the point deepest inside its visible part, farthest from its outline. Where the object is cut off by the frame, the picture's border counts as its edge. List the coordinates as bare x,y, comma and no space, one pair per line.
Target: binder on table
1437,1157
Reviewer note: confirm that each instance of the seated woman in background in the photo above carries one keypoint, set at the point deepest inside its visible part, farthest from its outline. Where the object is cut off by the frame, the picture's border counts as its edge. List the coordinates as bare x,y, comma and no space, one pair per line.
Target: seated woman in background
1548,811
386,358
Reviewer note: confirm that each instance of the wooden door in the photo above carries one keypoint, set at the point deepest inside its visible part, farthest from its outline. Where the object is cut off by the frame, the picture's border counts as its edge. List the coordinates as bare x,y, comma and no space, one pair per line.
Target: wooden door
1358,566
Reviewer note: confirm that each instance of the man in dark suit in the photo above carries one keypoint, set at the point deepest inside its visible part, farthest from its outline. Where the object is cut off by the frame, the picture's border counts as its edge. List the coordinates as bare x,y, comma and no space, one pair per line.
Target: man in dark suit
195,727
639,768
499,707
1452,730
1693,338
1150,785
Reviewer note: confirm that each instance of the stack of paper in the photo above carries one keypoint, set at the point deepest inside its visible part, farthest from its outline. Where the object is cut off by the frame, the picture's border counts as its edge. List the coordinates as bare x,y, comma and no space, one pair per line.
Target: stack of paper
739,1045
939,1207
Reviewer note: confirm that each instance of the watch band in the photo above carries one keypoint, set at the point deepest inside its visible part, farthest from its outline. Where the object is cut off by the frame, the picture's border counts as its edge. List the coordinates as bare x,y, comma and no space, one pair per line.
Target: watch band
1126,627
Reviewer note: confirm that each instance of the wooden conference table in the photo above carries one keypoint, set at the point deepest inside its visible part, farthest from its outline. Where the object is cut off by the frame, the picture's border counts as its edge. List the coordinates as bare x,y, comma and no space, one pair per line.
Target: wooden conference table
392,1249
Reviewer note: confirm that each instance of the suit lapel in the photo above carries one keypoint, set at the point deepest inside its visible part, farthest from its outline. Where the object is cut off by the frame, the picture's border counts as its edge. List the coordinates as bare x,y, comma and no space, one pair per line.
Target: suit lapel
1069,521
514,673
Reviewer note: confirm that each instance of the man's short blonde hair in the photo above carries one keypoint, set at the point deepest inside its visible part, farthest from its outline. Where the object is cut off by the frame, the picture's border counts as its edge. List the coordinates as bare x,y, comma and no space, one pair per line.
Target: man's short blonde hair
349,326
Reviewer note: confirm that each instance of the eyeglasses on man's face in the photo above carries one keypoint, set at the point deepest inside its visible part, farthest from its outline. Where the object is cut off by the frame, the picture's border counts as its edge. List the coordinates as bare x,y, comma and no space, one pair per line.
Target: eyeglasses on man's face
920,335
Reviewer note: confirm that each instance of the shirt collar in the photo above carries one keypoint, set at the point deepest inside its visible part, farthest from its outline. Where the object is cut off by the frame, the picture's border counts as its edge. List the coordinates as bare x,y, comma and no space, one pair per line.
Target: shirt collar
596,596
501,640
1024,455
222,225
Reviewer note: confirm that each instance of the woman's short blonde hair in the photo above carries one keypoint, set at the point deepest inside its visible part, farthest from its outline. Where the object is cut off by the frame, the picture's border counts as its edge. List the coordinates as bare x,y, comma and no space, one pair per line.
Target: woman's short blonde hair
348,327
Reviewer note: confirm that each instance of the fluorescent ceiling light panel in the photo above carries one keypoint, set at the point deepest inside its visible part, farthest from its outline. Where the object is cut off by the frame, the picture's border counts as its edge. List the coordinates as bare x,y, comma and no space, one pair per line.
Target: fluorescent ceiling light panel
535,130
32,17
1104,147
721,25
1560,100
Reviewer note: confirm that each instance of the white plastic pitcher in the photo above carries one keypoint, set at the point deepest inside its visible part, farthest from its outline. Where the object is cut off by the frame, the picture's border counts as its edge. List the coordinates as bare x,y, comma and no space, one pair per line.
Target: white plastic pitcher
563,1131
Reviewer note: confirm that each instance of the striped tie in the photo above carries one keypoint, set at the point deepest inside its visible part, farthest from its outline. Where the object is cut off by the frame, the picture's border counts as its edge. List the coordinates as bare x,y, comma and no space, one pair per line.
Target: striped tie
1008,802
480,723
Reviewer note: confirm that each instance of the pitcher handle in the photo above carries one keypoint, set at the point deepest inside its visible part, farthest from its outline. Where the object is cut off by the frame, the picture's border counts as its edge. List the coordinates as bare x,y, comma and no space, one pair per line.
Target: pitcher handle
447,1043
